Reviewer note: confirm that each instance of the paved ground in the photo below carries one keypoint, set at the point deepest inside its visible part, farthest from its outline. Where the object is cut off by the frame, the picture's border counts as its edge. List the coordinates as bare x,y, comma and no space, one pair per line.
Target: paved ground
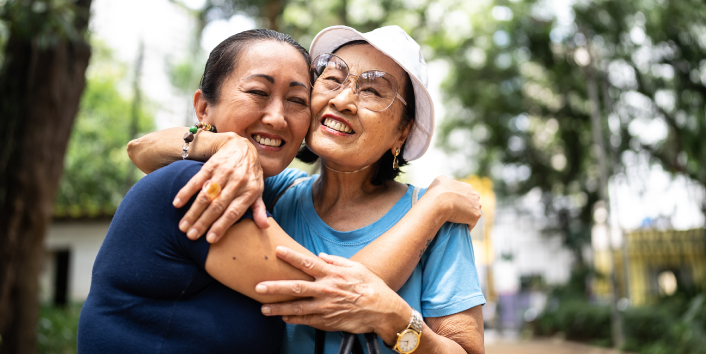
543,346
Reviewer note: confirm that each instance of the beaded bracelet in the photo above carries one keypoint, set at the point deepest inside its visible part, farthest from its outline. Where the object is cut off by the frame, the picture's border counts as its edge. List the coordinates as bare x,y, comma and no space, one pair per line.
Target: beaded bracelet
189,136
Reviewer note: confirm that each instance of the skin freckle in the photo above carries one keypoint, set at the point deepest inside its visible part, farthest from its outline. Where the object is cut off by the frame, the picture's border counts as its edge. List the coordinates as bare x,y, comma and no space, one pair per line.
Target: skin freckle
265,257
233,258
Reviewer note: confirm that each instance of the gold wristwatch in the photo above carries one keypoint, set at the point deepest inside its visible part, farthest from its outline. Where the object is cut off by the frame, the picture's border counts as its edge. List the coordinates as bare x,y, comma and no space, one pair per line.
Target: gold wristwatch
408,340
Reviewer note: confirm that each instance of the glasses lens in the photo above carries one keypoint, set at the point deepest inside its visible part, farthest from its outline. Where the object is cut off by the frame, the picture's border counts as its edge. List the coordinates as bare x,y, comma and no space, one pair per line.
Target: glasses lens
330,72
377,90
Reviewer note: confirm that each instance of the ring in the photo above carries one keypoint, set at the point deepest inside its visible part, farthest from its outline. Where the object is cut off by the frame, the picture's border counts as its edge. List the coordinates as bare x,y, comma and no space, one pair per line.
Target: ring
211,189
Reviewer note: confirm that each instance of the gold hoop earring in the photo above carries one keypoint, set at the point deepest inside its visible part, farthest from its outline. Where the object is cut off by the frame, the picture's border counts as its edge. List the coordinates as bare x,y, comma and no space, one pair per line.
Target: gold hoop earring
395,164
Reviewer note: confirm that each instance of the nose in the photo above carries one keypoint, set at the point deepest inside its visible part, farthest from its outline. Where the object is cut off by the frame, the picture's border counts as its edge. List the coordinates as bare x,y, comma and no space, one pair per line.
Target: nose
346,98
274,115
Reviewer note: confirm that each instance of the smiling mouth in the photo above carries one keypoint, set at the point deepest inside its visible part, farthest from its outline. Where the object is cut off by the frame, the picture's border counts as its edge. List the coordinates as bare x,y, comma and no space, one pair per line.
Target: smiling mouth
267,141
337,126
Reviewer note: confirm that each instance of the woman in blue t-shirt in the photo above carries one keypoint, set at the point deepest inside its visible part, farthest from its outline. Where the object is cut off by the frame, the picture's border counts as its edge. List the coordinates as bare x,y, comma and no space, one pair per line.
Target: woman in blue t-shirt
371,113
153,289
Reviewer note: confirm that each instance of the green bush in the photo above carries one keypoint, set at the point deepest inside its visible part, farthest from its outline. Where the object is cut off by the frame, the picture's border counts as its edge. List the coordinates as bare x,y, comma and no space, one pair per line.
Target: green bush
669,327
57,329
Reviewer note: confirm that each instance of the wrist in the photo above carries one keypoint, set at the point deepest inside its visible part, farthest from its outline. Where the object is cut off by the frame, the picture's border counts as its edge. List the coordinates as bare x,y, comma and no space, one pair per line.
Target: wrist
439,205
395,322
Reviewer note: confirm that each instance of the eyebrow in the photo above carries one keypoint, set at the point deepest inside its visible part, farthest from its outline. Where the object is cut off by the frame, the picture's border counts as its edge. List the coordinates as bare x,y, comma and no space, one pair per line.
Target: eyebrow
297,83
271,80
266,77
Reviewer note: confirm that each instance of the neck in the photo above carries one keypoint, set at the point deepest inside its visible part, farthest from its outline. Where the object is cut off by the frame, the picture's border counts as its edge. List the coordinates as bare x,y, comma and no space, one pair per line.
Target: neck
336,186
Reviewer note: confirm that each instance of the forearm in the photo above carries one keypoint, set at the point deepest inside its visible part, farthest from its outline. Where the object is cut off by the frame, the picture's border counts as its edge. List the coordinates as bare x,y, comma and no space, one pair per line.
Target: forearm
433,343
394,255
457,333
160,148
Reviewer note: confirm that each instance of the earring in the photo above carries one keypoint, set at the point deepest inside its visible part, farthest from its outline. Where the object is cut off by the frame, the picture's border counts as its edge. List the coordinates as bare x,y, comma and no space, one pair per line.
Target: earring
395,164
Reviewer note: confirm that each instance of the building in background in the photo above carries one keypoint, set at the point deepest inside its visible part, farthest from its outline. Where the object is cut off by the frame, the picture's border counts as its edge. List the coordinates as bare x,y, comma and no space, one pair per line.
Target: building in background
659,263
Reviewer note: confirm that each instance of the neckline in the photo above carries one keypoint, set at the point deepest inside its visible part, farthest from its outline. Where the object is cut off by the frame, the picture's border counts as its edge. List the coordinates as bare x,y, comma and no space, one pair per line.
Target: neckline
364,234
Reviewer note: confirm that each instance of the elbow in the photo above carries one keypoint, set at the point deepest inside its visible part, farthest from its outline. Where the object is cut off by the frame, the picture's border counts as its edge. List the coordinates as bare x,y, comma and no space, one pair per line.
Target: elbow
133,147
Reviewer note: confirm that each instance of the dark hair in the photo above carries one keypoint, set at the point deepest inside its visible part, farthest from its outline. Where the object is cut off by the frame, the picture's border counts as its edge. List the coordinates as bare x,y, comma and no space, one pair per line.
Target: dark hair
385,171
221,61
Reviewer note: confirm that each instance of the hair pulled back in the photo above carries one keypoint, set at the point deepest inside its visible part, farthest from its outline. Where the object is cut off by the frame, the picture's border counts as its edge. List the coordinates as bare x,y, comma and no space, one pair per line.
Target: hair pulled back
222,60
385,171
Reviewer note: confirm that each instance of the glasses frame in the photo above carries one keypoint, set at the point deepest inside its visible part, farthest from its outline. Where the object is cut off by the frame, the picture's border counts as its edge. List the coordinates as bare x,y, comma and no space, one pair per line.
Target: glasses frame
347,79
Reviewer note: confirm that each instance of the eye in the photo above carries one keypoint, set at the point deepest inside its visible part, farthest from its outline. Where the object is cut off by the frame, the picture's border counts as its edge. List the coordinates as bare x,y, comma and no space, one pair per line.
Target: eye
333,78
258,93
299,100
372,91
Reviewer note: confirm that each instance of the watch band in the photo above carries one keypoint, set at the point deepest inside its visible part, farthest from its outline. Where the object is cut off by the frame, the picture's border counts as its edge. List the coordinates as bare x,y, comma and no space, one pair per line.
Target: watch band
416,322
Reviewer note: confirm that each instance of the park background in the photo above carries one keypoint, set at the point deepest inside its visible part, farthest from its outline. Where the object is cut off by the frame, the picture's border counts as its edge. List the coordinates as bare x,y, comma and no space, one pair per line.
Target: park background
580,122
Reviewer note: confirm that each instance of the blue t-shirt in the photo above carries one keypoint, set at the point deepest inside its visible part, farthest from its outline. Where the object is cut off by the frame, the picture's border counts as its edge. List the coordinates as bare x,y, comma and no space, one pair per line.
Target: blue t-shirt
150,292
444,282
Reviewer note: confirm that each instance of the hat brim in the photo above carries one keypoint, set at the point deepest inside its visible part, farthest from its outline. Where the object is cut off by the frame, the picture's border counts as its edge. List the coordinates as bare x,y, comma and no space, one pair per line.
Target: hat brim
419,138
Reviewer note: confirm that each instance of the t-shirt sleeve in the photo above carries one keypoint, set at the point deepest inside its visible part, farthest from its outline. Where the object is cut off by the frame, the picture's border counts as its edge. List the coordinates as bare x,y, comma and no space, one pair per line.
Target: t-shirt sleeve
276,185
450,281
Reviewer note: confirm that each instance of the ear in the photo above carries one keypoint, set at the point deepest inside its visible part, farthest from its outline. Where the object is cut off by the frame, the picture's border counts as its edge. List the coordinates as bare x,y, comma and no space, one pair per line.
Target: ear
201,106
402,138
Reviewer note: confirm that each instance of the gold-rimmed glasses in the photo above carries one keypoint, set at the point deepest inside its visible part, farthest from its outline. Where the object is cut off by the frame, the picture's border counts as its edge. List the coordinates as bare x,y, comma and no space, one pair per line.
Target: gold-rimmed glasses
376,90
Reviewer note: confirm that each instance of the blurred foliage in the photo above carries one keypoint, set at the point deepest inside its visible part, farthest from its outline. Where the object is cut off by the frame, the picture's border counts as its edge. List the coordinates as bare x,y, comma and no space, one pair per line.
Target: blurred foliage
673,326
518,105
57,329
96,166
45,20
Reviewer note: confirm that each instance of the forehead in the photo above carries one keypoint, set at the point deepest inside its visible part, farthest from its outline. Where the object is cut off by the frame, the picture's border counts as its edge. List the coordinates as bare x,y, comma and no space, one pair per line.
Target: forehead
364,57
274,59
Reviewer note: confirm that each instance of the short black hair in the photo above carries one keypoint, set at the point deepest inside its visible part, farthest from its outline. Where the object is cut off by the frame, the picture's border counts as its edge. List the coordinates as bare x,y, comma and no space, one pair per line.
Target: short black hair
221,61
385,171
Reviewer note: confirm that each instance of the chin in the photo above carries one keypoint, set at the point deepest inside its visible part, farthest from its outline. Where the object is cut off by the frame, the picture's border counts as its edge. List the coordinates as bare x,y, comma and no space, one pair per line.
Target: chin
270,169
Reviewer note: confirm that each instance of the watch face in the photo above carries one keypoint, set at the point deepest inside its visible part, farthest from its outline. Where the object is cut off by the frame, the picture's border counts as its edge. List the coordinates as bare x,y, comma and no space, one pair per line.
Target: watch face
408,342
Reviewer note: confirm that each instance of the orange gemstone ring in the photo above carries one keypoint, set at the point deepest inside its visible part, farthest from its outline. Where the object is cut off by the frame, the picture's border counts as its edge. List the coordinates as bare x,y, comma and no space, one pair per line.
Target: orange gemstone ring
211,189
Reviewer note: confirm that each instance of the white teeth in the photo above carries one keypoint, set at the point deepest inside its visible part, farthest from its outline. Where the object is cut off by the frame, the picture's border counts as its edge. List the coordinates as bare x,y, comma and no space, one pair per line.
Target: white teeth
337,126
267,141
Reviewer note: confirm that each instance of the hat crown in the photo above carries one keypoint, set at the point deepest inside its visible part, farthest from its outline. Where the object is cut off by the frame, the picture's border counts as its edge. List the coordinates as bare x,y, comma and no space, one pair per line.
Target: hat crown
402,48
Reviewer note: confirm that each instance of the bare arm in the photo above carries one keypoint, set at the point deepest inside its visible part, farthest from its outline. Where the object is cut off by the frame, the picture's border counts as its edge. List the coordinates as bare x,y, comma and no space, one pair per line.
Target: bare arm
458,333
160,148
363,303
236,168
247,256
404,244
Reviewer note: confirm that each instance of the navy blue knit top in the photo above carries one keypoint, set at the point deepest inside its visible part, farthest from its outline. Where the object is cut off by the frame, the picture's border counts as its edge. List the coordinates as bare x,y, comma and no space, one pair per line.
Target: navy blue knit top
150,292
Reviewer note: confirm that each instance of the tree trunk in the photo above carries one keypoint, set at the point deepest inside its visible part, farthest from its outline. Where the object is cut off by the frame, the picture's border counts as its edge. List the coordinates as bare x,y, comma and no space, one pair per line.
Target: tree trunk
40,89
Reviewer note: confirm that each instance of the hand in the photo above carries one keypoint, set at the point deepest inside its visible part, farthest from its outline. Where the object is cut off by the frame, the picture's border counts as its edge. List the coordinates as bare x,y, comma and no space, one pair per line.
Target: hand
345,296
235,166
463,202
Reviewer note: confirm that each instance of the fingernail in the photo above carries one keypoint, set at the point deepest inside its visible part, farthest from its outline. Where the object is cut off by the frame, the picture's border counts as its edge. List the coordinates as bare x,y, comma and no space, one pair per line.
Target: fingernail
184,226
260,288
192,233
266,310
281,250
211,237
176,202
285,318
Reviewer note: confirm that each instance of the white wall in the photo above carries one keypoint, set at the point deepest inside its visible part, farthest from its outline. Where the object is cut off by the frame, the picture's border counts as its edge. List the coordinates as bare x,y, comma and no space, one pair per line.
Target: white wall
83,240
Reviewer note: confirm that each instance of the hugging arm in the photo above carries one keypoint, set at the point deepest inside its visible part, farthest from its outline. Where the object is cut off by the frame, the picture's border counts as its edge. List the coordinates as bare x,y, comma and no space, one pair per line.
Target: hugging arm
234,164
231,161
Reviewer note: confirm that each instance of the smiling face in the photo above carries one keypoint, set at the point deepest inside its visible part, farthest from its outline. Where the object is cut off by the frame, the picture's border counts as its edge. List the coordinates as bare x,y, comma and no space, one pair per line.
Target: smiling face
266,100
345,135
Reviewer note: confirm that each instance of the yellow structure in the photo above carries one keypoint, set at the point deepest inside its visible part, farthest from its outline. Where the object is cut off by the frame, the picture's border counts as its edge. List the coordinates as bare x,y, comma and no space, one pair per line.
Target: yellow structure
484,187
658,263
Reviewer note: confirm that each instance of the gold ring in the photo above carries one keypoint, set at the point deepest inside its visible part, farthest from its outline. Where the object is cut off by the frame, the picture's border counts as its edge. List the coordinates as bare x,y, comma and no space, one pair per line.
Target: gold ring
211,189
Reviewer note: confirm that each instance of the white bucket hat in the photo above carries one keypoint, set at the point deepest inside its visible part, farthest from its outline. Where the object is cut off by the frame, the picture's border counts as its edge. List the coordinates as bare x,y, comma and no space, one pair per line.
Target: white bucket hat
394,42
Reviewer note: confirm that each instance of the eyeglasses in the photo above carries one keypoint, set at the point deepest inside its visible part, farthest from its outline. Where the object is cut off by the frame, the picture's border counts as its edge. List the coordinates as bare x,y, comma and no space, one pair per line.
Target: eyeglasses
376,89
